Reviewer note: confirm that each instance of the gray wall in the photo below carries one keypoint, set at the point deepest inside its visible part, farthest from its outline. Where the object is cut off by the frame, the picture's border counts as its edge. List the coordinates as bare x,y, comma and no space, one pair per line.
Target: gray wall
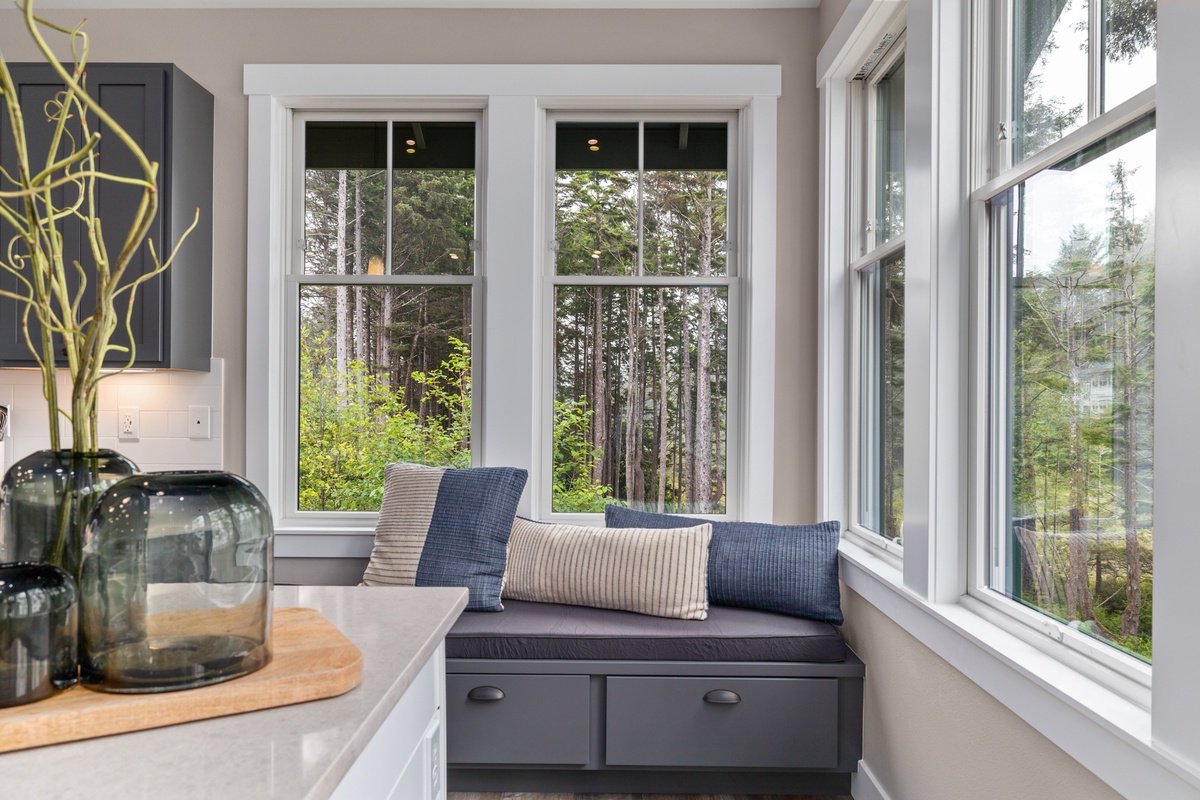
930,733
212,46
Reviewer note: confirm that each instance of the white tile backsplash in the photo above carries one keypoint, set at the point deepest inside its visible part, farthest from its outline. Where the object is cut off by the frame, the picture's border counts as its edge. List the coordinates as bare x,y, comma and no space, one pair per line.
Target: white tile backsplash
162,399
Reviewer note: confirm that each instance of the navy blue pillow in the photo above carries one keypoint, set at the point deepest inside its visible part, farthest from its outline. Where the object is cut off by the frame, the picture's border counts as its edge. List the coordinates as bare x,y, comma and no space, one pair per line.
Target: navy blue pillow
788,569
446,527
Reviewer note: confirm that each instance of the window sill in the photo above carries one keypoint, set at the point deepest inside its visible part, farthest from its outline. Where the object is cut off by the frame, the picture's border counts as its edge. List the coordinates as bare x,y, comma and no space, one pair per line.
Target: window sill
309,541
1105,732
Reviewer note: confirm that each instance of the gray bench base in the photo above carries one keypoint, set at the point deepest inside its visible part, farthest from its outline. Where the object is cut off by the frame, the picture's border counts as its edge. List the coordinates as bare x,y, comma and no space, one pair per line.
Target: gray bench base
653,726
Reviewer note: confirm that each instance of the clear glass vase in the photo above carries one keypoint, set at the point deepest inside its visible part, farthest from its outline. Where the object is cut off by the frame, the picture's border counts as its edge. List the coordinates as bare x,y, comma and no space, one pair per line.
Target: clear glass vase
175,588
45,500
38,632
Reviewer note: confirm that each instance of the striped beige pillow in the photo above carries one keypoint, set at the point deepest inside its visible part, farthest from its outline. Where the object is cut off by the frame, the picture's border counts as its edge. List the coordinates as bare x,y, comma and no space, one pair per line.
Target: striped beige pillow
661,572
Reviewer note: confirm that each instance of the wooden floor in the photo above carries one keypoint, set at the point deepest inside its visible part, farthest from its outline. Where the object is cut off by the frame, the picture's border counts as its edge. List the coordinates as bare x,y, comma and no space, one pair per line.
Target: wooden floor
532,796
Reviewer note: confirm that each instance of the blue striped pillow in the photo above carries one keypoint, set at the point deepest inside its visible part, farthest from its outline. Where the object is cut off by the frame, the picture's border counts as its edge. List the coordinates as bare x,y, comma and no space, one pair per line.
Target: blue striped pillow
788,569
446,527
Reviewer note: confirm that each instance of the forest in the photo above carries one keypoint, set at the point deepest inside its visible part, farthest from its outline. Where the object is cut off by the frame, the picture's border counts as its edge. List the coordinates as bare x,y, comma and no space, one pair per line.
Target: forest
639,392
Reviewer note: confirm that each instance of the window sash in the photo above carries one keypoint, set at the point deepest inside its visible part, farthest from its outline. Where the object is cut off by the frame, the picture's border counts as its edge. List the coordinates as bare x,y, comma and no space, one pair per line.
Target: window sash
296,278
735,369
866,245
988,404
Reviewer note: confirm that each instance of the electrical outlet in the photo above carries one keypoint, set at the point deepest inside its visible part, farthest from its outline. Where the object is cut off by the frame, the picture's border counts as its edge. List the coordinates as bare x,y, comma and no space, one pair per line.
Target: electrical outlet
199,422
128,427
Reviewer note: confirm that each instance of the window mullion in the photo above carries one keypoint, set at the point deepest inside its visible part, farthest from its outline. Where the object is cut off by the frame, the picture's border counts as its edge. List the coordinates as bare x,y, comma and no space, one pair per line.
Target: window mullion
1095,59
391,201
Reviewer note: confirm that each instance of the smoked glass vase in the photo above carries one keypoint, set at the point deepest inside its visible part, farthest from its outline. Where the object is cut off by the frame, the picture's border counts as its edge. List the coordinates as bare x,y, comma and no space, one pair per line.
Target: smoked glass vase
38,631
45,500
175,588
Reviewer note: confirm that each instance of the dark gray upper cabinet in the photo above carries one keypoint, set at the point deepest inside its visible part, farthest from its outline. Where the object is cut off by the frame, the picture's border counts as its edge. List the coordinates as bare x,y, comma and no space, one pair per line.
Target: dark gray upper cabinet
171,117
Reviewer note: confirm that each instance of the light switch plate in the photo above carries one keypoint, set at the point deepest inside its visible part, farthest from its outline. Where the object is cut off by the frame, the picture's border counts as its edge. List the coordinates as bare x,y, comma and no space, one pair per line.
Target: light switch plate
199,422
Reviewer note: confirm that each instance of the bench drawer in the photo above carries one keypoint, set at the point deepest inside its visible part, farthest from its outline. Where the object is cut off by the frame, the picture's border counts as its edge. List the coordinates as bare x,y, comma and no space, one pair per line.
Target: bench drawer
517,719
782,723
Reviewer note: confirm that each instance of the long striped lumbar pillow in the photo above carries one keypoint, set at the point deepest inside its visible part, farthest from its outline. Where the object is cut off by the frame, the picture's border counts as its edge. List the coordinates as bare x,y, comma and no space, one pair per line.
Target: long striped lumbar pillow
446,527
657,572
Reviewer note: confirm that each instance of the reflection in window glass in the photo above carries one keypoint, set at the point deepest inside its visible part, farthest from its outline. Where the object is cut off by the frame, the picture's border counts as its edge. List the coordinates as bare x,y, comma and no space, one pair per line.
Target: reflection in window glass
889,155
433,198
657,358
1050,71
881,399
596,198
1074,247
1130,39
399,391
345,197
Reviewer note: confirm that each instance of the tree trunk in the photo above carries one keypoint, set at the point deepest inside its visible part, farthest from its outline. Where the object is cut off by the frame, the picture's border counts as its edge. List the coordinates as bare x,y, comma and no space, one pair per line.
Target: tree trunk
599,390
343,295
633,411
703,463
360,316
661,496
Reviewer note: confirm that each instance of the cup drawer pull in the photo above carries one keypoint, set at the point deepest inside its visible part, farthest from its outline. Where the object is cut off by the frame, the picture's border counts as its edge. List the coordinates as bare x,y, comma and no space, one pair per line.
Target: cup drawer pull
722,696
485,693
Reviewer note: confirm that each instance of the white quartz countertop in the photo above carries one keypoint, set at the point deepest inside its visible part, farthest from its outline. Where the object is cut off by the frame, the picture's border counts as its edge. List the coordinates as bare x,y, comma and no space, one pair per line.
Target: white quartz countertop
290,752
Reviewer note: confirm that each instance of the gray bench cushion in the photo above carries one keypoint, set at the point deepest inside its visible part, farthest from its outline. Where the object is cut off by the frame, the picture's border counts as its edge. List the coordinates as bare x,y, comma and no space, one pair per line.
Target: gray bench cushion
552,631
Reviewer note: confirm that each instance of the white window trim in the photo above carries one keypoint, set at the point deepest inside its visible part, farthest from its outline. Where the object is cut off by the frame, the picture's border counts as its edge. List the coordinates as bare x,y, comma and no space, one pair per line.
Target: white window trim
514,99
1112,733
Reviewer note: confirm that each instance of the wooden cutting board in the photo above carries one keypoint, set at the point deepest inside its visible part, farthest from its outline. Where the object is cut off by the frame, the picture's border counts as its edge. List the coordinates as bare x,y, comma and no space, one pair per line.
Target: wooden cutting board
311,659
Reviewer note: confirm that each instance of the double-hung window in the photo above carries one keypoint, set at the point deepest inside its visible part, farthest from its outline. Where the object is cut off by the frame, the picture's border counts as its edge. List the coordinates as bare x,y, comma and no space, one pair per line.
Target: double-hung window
382,301
456,265
644,312
877,245
1065,252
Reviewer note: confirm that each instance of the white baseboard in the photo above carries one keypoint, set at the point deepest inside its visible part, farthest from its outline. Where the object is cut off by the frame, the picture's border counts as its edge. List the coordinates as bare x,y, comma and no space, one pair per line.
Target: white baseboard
864,786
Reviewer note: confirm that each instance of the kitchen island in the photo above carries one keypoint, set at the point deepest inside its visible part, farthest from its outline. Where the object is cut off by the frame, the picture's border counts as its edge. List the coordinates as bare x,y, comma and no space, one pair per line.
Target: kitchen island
383,739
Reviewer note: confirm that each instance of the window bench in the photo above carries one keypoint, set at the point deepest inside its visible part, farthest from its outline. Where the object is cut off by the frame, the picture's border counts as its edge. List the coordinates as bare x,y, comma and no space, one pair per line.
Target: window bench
557,698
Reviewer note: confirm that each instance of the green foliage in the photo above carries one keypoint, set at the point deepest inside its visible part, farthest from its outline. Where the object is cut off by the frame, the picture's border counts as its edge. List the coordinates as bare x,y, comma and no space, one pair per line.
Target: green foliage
574,456
347,438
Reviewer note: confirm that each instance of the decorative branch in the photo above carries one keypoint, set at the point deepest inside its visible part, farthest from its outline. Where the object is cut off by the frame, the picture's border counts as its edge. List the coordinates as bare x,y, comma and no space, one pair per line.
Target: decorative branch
51,289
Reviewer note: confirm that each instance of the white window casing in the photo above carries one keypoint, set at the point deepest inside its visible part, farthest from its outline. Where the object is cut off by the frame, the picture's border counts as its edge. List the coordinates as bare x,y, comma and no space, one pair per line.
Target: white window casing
508,349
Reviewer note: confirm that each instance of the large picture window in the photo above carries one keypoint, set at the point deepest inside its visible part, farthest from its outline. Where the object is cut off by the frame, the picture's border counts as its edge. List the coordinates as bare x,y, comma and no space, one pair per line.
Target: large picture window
643,362
384,304
1071,322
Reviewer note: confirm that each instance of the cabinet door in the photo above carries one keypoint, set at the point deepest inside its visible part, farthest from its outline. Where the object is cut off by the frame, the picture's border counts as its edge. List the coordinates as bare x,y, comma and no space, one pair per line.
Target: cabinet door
518,719
36,90
135,97
740,723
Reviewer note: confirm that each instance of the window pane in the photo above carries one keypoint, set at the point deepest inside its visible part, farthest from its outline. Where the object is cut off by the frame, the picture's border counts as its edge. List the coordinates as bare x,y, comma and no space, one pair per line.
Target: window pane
889,155
385,375
681,198
345,197
1050,71
1130,39
433,198
640,398
686,199
596,198
1076,247
881,399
